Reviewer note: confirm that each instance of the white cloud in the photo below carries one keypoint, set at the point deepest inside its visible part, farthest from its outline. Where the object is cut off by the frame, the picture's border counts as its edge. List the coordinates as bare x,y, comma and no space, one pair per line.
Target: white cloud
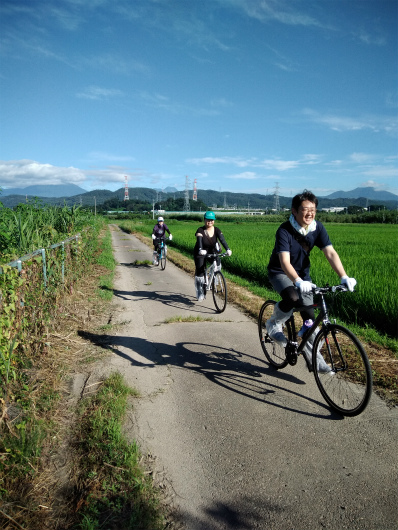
361,158
22,173
375,124
247,175
382,172
235,161
99,93
279,10
99,155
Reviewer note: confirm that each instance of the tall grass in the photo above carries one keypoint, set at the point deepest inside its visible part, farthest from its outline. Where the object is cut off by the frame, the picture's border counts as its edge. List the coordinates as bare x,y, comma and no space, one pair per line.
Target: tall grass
31,226
368,253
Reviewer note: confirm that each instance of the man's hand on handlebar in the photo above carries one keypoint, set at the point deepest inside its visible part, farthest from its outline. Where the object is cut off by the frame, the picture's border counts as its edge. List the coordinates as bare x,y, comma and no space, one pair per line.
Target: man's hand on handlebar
350,283
304,286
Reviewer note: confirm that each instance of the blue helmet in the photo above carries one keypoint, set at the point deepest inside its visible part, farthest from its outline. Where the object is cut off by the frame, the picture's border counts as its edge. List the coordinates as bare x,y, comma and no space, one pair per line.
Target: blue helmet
210,215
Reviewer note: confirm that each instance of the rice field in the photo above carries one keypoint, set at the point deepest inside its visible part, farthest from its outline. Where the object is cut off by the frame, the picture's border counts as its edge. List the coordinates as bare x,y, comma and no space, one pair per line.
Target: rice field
368,253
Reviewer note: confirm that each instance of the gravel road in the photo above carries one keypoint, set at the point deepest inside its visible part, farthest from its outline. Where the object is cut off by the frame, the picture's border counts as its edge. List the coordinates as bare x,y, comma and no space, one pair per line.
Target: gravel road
236,444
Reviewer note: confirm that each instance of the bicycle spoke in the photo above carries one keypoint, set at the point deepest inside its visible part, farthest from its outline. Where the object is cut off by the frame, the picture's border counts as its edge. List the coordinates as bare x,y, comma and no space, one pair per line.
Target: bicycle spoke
273,351
219,288
348,390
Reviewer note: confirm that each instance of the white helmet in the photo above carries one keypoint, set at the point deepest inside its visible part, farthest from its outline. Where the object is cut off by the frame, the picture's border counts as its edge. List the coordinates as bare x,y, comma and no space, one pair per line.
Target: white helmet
160,219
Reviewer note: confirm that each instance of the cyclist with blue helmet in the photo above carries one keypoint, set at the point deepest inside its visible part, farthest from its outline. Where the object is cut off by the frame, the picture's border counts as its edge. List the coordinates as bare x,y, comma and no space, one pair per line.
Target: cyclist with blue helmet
208,239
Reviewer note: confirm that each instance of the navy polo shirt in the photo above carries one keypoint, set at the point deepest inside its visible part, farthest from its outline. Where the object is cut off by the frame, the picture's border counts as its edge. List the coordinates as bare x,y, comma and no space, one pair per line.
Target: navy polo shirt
285,241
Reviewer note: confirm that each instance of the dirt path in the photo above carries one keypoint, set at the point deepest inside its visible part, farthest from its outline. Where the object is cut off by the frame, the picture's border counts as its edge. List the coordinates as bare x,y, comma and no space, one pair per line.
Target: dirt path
238,445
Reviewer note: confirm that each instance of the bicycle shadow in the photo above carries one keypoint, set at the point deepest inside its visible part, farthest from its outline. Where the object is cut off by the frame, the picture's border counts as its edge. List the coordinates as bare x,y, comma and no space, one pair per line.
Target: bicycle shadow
236,371
168,298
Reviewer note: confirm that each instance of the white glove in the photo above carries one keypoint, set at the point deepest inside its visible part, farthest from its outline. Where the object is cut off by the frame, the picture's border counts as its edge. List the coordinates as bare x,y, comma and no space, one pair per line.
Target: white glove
304,286
170,237
349,282
229,252
202,252
153,236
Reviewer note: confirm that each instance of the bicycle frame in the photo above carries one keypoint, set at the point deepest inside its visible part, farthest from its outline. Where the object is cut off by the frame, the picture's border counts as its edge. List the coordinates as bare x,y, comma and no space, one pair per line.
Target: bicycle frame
212,268
162,245
295,349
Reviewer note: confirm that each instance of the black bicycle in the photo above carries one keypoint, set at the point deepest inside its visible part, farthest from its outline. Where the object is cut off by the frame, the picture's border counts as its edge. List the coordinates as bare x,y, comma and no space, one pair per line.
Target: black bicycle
162,251
347,387
214,280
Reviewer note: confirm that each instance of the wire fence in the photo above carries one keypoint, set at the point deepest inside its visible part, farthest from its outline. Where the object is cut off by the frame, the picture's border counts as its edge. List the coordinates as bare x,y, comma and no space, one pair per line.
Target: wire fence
42,252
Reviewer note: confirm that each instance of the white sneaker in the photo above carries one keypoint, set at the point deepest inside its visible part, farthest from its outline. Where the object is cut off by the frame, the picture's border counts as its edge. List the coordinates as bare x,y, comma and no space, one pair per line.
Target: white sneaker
275,333
322,366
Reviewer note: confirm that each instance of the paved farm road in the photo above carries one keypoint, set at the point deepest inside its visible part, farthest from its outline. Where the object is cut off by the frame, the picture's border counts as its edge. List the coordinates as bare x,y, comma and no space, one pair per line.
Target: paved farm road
241,446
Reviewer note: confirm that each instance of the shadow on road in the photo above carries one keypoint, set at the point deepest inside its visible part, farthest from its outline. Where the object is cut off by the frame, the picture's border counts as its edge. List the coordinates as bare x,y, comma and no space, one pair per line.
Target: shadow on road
234,370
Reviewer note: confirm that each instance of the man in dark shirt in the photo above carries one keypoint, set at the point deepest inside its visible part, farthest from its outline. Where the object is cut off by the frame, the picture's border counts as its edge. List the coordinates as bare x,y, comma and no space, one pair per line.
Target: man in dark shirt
289,268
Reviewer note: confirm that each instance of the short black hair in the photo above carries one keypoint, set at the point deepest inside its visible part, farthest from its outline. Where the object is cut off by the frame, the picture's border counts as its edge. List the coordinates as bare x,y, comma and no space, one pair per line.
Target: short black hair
306,195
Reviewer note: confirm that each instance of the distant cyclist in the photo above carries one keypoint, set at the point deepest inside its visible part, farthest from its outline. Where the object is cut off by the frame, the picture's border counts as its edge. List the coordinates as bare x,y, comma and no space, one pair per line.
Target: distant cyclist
158,232
207,242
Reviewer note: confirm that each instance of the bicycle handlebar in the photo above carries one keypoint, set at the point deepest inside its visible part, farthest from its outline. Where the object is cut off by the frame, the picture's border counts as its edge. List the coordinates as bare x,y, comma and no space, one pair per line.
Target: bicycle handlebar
329,289
215,255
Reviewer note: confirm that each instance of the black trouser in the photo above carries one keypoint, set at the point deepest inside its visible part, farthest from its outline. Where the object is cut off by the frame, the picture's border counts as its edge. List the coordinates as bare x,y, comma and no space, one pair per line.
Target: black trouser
291,300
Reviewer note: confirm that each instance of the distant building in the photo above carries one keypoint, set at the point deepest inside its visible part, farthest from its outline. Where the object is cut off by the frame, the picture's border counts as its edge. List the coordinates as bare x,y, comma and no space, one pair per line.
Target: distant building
334,209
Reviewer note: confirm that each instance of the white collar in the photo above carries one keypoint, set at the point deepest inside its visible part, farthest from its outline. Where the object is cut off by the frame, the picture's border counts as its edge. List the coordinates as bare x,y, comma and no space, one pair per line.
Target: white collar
304,230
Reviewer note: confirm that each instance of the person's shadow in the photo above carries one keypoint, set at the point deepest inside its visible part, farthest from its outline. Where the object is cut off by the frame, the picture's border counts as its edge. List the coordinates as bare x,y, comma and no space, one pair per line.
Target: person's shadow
237,371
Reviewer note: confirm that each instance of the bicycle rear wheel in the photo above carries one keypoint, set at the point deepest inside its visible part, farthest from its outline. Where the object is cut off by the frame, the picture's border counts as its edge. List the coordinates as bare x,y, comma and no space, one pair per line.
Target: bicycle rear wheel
219,288
347,391
272,350
162,259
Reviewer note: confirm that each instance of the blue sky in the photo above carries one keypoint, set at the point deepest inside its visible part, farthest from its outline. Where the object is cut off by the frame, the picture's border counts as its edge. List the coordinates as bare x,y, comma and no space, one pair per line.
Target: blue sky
241,95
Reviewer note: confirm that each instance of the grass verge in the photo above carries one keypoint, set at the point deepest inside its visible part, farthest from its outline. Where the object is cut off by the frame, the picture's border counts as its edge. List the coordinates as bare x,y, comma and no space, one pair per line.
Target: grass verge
113,490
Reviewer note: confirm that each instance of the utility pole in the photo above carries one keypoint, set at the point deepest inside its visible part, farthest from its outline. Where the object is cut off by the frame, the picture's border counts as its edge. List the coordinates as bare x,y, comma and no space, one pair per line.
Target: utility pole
276,198
186,199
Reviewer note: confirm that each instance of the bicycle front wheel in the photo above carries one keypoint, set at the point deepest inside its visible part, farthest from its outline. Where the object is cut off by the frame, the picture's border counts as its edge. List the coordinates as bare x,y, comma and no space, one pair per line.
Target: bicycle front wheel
272,350
162,260
347,389
219,288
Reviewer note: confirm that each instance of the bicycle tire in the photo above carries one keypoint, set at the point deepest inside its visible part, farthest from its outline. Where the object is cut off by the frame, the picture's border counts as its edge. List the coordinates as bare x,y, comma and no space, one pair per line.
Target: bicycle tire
219,288
162,260
348,391
274,353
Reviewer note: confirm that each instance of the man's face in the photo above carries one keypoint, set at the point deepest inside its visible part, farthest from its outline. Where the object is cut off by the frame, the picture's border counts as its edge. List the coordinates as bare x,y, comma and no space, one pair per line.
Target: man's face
305,214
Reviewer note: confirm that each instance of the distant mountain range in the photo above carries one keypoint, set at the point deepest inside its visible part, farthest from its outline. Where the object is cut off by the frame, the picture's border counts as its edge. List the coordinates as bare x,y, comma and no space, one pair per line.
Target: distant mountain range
44,190
74,195
367,193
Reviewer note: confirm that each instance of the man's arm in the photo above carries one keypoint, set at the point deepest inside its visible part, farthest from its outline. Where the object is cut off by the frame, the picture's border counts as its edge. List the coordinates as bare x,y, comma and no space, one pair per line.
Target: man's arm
288,269
334,260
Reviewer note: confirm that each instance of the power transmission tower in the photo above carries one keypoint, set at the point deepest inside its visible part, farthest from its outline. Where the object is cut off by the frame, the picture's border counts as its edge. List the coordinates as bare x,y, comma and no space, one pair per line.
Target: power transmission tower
126,189
195,191
276,198
186,198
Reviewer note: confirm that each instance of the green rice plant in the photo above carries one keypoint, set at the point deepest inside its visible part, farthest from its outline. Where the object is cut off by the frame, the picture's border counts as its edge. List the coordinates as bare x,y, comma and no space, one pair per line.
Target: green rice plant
368,253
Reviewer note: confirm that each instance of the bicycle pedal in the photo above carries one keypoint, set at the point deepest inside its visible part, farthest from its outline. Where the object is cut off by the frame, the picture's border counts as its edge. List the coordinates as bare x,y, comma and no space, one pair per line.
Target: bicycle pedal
291,353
